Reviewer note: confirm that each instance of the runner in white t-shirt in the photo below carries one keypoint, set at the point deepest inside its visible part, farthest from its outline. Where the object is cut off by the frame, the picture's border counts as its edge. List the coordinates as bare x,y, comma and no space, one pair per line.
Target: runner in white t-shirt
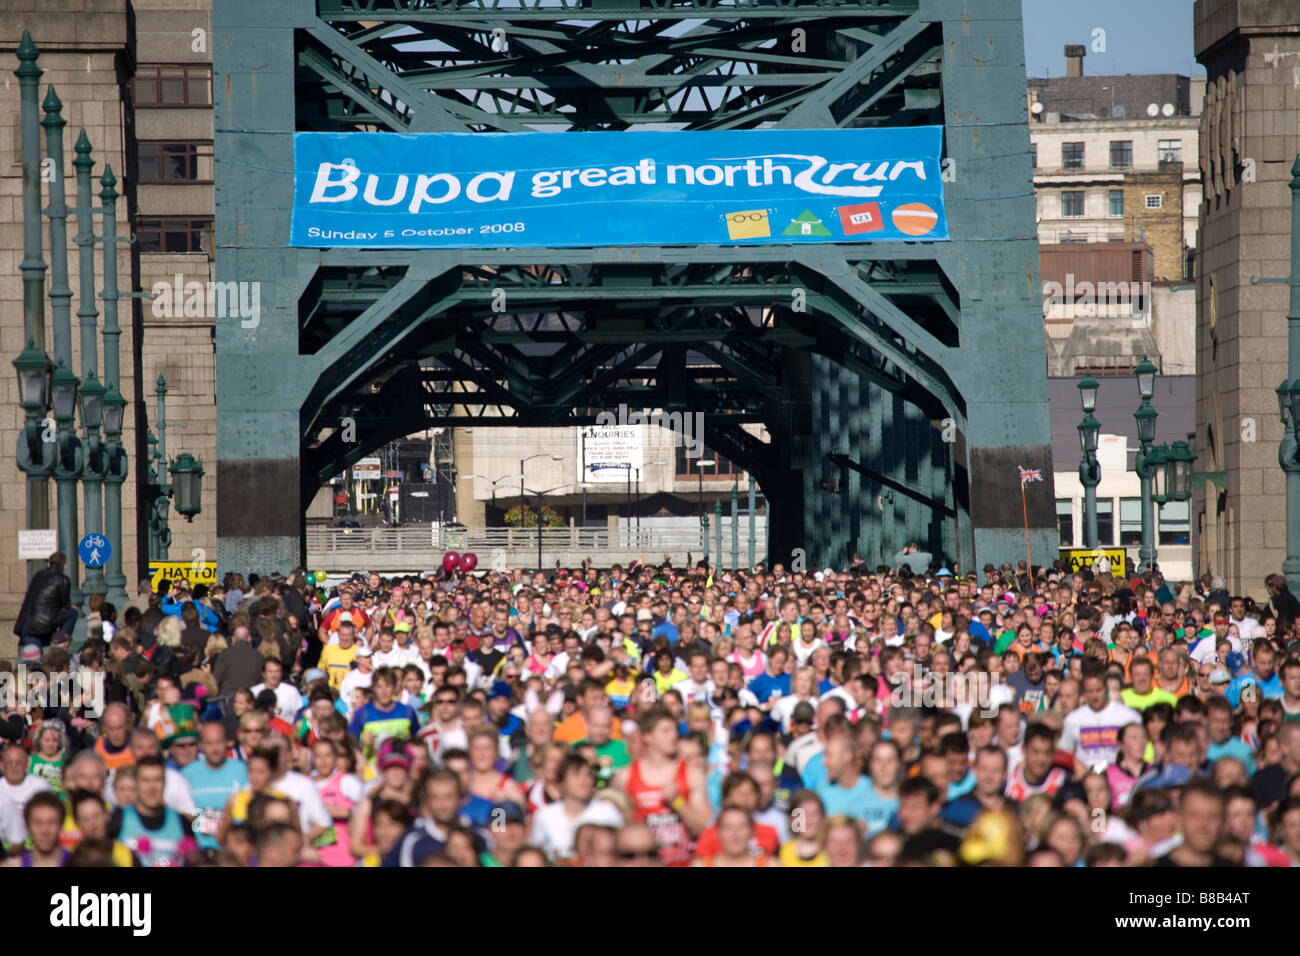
16,783
13,832
1091,731
555,824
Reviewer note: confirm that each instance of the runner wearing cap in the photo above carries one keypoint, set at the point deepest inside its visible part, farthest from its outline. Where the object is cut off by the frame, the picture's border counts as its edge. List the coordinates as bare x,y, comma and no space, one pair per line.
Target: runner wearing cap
336,658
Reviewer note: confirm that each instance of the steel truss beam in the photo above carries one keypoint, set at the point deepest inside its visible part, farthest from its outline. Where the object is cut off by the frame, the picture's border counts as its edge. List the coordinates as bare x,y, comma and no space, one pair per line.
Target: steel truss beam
400,340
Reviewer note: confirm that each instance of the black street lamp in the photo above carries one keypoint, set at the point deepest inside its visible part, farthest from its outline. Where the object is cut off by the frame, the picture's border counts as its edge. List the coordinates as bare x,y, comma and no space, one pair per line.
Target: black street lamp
1146,417
187,482
34,373
700,465
1089,468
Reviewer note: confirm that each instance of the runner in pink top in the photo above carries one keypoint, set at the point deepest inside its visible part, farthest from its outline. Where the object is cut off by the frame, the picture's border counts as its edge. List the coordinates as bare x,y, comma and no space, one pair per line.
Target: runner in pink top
341,791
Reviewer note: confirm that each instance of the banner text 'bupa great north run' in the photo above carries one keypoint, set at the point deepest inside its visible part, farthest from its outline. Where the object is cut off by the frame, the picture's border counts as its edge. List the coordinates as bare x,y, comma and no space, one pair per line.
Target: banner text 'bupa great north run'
730,187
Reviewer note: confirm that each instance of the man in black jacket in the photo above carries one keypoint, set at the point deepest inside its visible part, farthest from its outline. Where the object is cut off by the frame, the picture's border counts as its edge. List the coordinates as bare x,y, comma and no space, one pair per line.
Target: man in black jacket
238,667
47,605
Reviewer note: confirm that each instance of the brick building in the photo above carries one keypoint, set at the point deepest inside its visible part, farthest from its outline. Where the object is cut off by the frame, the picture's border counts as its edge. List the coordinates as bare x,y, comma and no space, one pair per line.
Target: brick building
1250,137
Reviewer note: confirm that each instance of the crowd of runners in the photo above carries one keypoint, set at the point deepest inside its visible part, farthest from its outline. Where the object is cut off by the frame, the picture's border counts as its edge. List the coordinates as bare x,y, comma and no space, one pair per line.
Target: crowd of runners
659,716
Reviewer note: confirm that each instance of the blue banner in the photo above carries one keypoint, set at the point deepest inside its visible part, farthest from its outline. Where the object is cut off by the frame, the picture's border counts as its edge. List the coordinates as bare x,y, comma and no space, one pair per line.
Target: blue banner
741,187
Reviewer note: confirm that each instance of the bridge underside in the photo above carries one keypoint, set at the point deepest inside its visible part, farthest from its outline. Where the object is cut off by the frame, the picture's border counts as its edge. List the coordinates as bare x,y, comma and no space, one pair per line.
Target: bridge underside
900,384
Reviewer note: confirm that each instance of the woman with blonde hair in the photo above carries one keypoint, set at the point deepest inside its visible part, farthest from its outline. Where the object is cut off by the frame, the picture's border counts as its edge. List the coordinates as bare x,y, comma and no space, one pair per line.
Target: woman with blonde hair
168,632
216,644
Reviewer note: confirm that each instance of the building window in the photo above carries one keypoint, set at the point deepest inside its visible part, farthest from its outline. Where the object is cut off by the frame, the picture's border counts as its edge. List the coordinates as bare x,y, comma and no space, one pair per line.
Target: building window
1065,521
1130,521
1072,204
175,234
155,86
1105,522
721,467
1153,201
1072,155
1117,204
1170,150
1121,153
1082,369
1175,523
175,162
1033,155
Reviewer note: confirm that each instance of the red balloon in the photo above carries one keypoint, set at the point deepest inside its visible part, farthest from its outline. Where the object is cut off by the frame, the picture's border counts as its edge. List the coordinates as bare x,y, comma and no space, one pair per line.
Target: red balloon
468,562
450,560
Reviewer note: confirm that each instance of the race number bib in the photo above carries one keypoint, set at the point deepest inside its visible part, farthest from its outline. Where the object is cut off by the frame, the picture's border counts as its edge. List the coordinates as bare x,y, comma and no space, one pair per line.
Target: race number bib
207,822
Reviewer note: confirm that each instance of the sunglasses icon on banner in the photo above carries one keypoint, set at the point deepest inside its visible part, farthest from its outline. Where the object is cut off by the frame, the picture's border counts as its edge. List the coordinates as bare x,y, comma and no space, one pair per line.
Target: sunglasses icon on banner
748,224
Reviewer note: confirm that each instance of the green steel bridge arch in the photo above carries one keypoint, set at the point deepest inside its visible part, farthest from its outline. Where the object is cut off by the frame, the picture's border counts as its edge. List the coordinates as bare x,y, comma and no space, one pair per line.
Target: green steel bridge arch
901,383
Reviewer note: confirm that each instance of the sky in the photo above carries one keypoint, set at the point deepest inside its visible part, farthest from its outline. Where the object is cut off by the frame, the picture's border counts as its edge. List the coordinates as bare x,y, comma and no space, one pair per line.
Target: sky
1140,36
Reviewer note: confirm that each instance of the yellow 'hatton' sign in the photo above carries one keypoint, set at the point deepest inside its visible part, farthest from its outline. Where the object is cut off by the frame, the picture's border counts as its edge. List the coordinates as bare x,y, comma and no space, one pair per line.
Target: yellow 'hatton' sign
1081,558
196,572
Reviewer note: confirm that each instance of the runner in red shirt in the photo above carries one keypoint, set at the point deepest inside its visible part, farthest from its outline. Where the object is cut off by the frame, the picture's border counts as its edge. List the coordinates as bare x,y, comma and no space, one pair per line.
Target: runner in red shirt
330,622
667,793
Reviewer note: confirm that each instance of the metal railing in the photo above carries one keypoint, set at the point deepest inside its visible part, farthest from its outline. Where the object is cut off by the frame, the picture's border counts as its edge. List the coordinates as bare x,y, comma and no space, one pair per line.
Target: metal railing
422,546
424,538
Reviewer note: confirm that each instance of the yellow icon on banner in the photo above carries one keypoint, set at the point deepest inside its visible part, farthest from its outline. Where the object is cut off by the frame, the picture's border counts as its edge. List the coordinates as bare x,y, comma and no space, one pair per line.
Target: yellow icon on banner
748,224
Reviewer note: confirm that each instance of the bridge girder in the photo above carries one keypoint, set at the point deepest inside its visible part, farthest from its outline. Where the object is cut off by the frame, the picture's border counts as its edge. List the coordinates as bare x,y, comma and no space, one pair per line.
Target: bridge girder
812,341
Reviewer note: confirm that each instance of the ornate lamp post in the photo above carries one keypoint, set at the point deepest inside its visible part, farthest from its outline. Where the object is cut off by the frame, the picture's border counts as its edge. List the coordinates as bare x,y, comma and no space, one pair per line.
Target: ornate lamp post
1146,417
64,385
1089,468
94,405
36,459
186,485
700,465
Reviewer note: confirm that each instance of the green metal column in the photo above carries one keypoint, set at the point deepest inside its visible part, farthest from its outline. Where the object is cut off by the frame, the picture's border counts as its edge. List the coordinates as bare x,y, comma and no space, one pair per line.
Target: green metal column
753,519
717,530
160,535
113,576
94,471
704,532
874,533
792,525
33,270
993,259
735,526
263,380
67,469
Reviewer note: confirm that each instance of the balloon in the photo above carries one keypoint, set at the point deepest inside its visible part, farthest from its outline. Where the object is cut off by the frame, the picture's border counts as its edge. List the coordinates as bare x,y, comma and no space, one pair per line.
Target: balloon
468,562
320,577
450,561
311,578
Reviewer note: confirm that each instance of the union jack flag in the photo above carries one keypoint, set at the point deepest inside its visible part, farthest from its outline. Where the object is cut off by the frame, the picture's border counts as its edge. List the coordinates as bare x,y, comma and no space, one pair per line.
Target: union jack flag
1030,474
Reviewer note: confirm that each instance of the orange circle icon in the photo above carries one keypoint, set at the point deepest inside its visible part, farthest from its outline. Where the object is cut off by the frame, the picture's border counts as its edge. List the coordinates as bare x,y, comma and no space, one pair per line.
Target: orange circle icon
915,218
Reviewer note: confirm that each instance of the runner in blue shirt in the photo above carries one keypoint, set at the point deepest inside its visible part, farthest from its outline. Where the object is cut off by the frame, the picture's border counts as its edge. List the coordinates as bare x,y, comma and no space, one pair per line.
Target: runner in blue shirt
384,716
213,780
